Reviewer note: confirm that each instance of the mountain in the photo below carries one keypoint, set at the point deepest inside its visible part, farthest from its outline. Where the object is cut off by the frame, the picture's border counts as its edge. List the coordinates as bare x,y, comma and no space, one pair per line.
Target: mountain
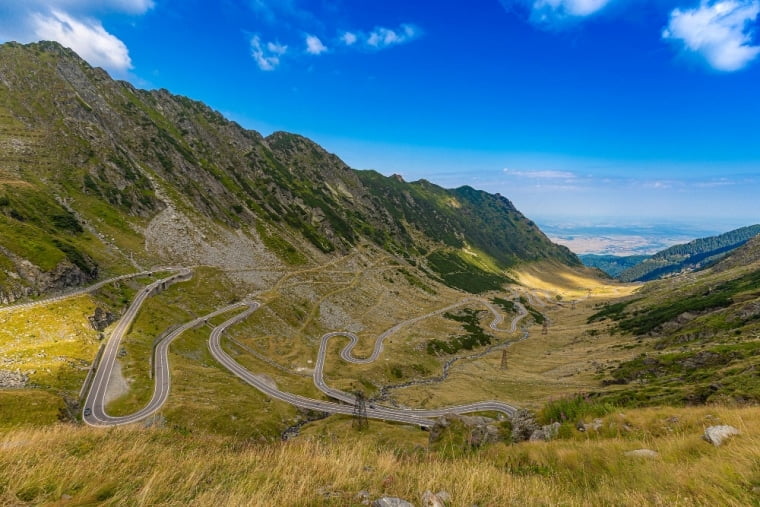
690,256
98,177
613,265
697,335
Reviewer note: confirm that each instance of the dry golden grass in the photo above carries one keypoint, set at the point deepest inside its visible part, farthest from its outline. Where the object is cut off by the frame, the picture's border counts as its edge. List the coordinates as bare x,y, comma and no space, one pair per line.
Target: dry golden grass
135,466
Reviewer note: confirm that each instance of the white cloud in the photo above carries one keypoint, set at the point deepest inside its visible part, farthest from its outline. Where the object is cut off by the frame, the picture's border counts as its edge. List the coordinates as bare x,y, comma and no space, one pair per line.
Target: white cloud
382,37
570,7
86,37
349,38
314,46
553,12
267,56
718,31
74,24
540,174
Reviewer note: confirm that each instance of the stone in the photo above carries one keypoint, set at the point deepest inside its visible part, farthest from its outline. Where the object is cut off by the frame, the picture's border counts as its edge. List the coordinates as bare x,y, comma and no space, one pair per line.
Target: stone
478,430
545,433
717,435
101,319
595,425
66,497
440,499
523,426
363,497
389,501
643,453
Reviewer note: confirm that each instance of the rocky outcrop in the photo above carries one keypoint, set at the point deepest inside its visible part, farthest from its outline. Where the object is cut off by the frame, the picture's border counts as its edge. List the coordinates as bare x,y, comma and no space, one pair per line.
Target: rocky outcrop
717,435
523,426
101,319
388,501
472,431
545,433
440,499
25,279
12,380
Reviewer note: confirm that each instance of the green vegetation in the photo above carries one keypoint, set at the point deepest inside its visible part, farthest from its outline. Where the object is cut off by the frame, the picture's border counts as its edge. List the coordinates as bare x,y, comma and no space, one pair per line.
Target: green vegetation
649,319
475,336
282,248
613,265
572,409
614,311
506,305
537,316
457,272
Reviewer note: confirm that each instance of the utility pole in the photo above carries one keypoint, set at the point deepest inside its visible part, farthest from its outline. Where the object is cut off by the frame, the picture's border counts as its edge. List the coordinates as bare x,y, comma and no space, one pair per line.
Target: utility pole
504,359
360,411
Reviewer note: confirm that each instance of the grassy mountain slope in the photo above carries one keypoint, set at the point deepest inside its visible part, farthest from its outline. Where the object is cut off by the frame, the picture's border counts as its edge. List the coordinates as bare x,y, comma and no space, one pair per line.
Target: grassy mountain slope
698,335
690,256
135,177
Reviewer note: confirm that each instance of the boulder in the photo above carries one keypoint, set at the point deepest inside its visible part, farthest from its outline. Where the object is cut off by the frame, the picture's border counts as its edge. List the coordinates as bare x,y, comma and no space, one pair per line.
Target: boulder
473,431
595,425
545,433
440,499
523,426
101,319
388,501
716,435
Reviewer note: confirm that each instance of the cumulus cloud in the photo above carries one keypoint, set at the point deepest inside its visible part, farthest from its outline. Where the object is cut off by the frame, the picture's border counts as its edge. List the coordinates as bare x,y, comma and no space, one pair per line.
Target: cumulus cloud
314,46
382,37
267,55
86,37
718,31
349,38
74,24
551,12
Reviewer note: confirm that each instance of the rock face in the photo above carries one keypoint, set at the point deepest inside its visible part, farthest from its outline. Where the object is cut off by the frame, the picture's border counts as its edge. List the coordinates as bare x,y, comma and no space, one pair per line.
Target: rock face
101,319
12,380
717,435
474,431
545,433
91,151
523,426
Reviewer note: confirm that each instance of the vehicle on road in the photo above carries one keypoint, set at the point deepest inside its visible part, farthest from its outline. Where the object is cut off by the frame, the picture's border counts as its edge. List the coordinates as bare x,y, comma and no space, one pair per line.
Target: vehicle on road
87,411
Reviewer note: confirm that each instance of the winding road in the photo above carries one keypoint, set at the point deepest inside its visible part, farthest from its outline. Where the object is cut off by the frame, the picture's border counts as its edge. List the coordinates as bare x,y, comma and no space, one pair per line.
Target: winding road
94,412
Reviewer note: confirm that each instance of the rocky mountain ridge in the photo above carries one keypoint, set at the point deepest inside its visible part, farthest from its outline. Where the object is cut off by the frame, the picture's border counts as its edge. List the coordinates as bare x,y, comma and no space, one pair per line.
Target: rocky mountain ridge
98,176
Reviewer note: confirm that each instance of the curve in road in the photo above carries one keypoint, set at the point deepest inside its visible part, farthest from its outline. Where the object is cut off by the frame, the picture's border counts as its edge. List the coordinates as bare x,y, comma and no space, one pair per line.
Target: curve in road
347,354
94,412
94,409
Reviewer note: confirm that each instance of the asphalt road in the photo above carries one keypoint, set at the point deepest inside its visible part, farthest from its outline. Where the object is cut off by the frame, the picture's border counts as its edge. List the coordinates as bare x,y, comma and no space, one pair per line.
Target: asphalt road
347,355
94,412
94,408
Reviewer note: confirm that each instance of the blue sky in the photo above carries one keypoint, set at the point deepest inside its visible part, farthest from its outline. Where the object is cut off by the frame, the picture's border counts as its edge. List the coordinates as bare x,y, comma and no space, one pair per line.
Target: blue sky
574,109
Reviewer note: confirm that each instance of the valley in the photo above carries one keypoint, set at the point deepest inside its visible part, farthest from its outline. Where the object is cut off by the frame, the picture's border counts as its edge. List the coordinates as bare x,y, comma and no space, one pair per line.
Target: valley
175,288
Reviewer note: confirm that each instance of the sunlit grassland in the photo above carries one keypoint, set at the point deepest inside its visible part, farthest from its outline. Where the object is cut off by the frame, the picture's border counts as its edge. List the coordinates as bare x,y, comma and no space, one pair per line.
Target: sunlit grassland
53,344
329,465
